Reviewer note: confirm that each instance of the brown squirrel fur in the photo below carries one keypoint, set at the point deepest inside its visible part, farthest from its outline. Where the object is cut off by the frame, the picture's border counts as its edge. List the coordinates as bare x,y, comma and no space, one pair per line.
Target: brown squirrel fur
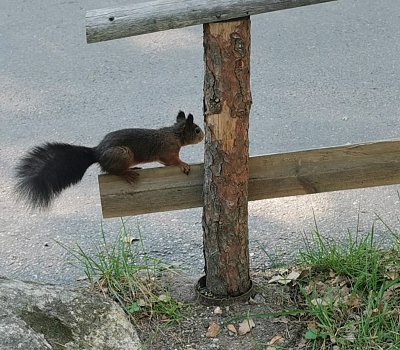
48,169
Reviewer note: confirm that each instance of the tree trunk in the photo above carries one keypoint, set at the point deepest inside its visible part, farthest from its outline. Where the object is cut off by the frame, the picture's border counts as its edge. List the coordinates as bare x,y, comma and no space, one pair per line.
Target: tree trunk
227,102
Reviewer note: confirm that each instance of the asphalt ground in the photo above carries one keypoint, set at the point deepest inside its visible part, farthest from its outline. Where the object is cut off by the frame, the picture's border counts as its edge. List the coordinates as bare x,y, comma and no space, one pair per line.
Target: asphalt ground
321,75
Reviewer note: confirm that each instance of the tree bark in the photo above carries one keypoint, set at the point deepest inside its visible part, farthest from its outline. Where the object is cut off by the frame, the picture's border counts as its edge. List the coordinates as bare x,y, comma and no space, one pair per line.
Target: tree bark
227,102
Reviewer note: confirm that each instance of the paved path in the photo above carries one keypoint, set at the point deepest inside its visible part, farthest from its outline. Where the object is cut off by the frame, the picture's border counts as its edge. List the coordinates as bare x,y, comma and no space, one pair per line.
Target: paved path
322,75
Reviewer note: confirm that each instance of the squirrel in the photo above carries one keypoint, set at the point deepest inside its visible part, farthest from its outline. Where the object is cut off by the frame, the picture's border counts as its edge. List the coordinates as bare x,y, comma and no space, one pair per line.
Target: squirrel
46,170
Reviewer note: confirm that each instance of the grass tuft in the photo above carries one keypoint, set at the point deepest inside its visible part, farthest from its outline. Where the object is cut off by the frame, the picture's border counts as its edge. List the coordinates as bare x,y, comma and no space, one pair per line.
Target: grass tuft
352,294
123,270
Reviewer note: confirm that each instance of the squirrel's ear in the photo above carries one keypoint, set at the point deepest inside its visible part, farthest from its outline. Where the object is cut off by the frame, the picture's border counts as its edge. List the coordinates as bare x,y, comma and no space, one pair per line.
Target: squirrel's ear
190,118
180,117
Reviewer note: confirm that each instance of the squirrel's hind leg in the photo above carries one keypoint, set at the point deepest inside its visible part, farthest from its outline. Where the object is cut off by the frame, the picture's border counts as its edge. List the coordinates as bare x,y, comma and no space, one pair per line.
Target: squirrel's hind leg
118,161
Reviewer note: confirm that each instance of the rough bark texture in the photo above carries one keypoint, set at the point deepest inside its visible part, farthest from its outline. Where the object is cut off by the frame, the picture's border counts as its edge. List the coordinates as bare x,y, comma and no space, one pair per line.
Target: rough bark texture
227,102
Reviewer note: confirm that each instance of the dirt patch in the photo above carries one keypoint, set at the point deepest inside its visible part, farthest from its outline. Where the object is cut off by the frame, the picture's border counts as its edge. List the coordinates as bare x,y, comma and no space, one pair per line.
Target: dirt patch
209,327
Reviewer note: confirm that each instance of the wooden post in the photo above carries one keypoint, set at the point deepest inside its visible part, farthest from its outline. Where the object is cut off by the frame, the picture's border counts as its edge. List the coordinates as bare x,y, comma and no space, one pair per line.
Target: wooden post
227,102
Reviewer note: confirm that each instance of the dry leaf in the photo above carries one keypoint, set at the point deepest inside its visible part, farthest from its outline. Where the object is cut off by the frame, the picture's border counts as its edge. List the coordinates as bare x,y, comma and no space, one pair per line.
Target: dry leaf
231,328
377,310
103,289
283,270
352,300
302,343
163,297
339,280
311,325
276,278
276,339
308,289
281,319
293,276
392,275
344,291
391,291
394,287
246,326
319,302
321,287
213,330
388,294
305,272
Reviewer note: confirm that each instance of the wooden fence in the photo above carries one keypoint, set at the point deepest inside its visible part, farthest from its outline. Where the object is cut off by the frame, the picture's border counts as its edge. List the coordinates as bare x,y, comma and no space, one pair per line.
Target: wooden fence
229,178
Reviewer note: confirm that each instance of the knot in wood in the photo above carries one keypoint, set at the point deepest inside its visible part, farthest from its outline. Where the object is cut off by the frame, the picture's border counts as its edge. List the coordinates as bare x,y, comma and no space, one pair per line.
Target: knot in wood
238,44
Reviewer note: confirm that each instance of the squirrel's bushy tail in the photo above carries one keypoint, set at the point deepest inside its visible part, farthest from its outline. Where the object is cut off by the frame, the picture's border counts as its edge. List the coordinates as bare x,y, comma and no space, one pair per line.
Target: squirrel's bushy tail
48,169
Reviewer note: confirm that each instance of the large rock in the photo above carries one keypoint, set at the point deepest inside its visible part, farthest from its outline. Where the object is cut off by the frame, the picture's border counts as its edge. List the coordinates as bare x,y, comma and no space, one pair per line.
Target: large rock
37,316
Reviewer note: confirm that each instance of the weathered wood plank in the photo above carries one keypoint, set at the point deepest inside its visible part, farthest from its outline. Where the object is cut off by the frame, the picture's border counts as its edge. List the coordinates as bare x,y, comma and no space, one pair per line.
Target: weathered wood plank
153,16
271,176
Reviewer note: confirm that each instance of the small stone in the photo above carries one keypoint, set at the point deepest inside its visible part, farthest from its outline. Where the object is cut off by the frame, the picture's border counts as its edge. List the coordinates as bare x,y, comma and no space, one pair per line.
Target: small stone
232,329
218,311
258,299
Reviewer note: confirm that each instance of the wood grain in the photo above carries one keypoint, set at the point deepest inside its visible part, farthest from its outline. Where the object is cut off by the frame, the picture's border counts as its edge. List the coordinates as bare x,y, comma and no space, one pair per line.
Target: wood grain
271,176
154,16
227,103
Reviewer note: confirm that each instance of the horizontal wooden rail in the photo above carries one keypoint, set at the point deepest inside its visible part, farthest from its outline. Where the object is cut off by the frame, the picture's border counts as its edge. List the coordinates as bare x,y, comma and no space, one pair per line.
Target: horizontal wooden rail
154,16
271,176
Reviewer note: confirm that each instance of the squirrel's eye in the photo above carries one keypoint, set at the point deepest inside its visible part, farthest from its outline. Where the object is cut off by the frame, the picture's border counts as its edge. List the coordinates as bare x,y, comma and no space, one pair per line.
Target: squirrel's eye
197,130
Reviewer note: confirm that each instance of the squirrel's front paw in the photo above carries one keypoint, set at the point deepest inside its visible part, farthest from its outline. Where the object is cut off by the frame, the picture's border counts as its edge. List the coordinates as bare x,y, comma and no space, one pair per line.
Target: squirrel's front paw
185,168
